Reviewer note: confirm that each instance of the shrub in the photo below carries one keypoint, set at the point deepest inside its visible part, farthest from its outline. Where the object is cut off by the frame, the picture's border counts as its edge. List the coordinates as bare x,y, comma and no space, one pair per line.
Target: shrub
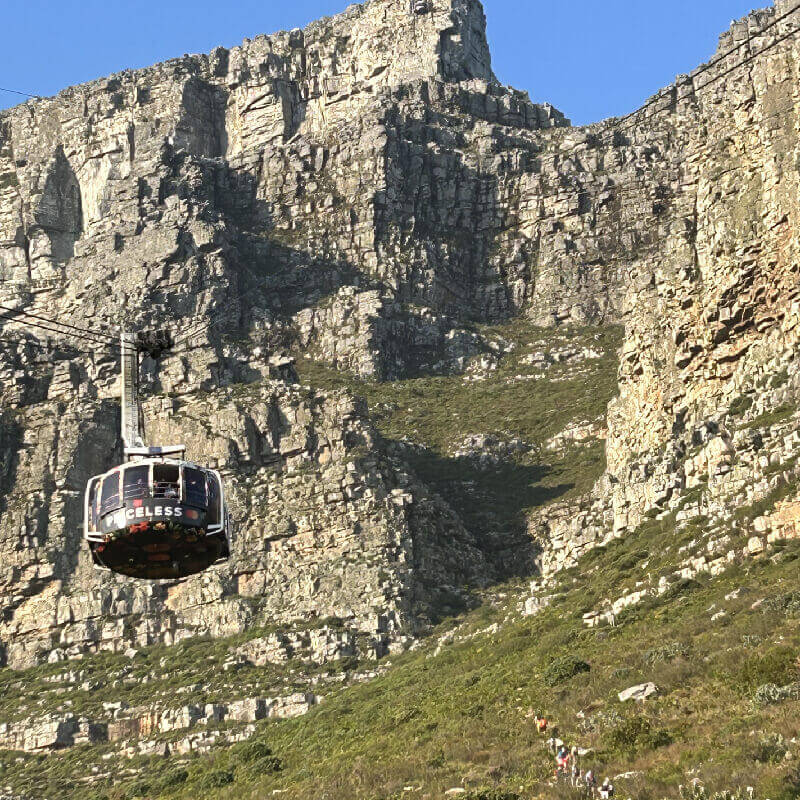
172,778
782,604
771,749
697,791
769,694
264,766
138,789
775,665
561,669
256,758
214,779
601,720
781,786
666,652
491,794
252,750
740,405
627,561
635,734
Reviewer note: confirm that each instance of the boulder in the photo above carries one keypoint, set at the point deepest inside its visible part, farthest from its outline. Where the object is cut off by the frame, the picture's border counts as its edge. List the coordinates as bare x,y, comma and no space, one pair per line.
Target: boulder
639,693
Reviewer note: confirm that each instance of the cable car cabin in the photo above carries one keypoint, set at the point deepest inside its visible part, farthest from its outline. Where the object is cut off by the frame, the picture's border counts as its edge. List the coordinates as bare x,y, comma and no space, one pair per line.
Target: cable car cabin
157,519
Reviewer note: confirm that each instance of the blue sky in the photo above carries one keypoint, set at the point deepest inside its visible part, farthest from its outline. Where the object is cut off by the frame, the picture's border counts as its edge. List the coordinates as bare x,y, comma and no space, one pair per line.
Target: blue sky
590,58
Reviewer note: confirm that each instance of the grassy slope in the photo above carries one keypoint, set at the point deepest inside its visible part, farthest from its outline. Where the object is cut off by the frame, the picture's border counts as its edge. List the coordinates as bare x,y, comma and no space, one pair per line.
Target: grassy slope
458,718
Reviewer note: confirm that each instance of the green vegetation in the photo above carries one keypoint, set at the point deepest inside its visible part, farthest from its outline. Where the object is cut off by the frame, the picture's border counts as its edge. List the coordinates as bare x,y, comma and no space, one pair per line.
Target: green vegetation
781,414
154,675
561,669
741,405
461,717
517,400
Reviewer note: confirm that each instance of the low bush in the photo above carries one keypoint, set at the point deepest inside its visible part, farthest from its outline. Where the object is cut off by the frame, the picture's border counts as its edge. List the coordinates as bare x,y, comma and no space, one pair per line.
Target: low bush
769,694
776,665
666,652
268,765
562,669
138,789
214,779
771,749
782,786
697,791
782,604
175,777
247,752
636,734
600,721
740,405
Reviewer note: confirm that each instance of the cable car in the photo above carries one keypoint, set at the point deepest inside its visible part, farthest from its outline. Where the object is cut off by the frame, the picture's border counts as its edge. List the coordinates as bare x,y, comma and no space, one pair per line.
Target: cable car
157,517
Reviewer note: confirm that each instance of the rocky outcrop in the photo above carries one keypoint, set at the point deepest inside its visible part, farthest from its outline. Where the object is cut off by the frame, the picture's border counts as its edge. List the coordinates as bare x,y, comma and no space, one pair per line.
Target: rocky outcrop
711,310
61,731
361,192
326,526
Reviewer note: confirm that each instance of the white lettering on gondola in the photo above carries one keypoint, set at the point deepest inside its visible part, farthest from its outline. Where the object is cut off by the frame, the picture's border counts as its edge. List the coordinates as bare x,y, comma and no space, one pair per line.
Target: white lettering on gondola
125,516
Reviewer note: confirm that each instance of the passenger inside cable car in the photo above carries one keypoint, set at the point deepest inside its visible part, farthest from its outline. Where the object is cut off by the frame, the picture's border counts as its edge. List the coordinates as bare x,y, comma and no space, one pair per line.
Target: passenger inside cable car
157,519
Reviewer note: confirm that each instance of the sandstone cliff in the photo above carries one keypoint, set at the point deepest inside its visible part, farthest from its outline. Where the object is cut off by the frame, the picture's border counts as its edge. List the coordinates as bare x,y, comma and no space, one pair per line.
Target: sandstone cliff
362,192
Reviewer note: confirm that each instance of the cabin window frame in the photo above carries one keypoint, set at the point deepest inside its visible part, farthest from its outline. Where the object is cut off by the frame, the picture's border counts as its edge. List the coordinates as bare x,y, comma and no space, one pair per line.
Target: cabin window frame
146,491
177,483
213,511
105,502
184,487
93,502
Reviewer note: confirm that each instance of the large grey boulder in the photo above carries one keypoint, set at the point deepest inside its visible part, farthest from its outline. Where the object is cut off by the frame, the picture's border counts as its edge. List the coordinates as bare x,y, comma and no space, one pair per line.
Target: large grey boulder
638,693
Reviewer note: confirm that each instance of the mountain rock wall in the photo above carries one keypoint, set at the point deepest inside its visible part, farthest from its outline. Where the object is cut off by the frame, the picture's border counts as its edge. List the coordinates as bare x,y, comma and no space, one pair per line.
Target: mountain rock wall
711,313
362,191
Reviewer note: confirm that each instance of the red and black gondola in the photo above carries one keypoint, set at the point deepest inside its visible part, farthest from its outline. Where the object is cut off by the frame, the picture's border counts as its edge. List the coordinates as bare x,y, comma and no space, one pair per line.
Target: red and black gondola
157,517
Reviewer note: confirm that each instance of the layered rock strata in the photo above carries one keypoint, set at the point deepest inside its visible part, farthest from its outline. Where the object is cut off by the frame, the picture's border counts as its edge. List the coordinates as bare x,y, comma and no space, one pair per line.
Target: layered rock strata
361,191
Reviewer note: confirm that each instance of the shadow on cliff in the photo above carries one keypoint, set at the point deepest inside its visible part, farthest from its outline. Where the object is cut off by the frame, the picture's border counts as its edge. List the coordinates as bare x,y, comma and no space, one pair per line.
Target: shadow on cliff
436,235
10,440
493,503
52,518
97,449
440,228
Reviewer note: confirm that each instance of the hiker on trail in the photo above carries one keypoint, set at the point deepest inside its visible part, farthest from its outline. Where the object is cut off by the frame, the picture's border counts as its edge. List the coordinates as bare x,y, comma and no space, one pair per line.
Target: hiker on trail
562,760
576,775
590,781
541,724
607,790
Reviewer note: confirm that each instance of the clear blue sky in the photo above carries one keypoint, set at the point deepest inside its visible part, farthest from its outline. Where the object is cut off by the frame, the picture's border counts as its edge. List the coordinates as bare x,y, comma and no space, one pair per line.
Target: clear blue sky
590,58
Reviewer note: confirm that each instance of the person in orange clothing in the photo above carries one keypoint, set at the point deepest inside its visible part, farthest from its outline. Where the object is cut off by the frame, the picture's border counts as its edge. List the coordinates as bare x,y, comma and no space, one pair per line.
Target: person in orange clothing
541,724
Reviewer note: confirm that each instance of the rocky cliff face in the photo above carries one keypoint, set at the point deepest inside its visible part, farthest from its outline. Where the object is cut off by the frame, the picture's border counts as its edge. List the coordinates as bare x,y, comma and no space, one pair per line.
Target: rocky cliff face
363,192
710,310
240,189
